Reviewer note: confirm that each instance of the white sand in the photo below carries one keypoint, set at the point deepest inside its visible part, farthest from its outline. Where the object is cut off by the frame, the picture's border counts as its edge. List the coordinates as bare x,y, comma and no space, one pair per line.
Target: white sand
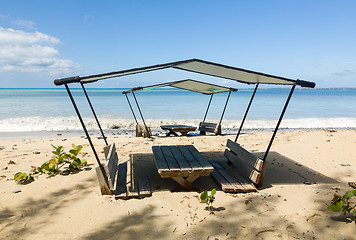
71,207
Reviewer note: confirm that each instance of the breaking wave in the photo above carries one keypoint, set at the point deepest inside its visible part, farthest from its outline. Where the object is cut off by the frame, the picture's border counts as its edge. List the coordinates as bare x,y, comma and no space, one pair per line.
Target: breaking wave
31,124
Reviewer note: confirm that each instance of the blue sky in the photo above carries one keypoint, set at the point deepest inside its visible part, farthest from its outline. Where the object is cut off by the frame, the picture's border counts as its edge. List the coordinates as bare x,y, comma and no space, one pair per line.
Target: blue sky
44,40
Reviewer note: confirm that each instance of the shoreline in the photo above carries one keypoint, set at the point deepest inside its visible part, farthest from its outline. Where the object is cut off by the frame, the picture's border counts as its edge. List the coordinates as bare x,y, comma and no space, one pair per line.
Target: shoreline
155,132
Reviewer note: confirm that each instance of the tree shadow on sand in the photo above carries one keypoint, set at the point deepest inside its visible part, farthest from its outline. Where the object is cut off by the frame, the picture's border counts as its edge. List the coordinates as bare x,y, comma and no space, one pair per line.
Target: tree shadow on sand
46,207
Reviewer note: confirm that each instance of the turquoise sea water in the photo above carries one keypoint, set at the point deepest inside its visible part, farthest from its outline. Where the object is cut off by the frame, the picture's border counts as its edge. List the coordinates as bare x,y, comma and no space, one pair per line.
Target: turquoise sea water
24,110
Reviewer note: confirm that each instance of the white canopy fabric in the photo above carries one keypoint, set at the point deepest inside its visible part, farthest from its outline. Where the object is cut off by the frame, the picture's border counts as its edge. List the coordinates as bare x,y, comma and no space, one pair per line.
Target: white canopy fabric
198,66
190,85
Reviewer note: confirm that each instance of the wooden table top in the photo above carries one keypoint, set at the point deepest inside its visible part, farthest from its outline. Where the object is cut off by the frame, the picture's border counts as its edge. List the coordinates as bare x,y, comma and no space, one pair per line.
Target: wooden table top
180,160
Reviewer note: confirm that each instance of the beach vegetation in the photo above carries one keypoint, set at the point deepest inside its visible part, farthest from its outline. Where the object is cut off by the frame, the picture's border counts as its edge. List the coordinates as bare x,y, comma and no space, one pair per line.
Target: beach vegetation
208,199
69,162
23,178
343,204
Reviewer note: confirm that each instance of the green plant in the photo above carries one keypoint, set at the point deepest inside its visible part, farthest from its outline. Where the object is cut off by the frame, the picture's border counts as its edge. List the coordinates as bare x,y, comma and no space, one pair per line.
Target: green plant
343,204
208,199
23,178
52,167
60,159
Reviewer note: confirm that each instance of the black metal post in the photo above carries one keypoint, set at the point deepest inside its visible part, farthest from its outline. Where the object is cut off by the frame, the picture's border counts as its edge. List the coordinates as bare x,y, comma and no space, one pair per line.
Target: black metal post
222,115
143,120
247,110
96,118
86,132
207,109
279,122
133,113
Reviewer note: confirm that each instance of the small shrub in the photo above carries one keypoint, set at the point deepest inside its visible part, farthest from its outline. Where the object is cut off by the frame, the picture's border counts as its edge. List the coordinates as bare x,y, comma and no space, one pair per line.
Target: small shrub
208,199
23,178
342,204
60,159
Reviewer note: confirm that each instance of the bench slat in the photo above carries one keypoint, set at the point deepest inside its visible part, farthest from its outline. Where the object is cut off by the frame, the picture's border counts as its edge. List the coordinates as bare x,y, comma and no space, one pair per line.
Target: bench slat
238,187
245,155
144,186
111,165
222,182
120,191
244,182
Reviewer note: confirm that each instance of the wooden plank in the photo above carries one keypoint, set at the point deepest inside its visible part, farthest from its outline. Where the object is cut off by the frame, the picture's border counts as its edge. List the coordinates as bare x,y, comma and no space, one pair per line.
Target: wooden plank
249,165
182,162
111,164
160,160
238,187
243,181
208,127
104,188
171,161
201,160
194,164
245,155
121,192
131,184
144,187
221,181
106,150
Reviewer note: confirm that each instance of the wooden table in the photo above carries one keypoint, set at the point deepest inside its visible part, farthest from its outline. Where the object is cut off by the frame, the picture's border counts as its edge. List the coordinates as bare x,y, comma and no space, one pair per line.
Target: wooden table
173,129
183,163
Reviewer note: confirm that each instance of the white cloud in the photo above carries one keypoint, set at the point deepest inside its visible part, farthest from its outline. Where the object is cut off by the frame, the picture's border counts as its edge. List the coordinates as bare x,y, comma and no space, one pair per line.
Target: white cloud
32,52
24,23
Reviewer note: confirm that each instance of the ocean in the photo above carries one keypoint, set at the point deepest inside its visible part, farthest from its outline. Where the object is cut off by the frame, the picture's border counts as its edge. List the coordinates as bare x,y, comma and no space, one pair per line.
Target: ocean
49,111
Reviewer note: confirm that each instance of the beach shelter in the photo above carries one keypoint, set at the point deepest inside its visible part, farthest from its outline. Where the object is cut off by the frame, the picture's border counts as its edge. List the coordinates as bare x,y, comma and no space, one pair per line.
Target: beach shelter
190,85
197,66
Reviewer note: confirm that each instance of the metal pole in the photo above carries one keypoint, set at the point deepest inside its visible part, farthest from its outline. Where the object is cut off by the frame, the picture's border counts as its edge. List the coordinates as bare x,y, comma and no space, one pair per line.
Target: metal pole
279,122
131,108
96,118
86,132
143,120
247,110
207,109
227,100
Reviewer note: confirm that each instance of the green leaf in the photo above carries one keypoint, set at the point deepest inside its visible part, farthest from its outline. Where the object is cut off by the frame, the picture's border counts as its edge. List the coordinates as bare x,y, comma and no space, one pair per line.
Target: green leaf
213,192
204,197
349,195
19,175
336,206
83,162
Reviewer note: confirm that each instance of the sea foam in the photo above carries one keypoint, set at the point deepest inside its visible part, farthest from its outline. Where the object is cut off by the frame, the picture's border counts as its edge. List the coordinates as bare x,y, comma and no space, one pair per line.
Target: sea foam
31,124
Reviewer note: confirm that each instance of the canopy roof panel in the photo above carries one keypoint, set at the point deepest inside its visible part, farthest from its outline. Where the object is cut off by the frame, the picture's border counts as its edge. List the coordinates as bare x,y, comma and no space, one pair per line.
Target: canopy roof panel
198,66
190,85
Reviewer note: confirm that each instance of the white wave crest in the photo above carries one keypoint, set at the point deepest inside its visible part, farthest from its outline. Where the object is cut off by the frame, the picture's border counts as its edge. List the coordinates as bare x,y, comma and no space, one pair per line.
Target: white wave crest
31,124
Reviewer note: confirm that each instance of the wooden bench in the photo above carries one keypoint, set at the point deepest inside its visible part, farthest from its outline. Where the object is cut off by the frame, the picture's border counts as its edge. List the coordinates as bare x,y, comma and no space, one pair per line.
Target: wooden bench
182,163
243,168
141,131
209,127
182,129
128,184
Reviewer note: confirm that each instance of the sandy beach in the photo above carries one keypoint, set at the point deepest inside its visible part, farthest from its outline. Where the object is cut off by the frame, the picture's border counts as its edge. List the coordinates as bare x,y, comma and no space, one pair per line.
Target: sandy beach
71,207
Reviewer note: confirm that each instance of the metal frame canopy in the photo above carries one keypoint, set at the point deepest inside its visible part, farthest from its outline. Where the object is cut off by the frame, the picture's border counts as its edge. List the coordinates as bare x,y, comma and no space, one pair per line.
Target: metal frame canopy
191,65
187,84
198,66
190,85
